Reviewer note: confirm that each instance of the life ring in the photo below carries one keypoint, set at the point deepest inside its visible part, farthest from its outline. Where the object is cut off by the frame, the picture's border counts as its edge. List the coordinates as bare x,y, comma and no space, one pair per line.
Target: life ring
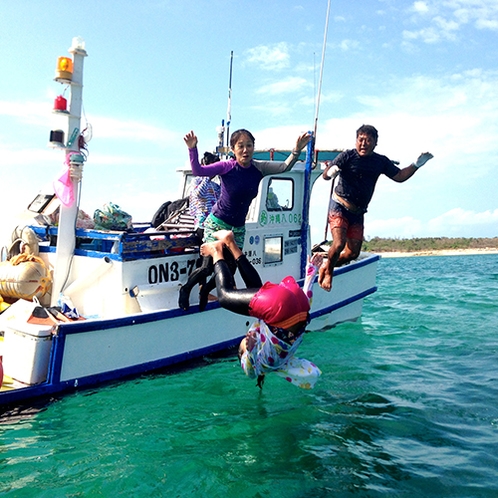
24,276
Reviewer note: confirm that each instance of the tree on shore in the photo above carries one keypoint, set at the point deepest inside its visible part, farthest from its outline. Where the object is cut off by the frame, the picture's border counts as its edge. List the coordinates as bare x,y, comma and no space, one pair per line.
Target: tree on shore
377,244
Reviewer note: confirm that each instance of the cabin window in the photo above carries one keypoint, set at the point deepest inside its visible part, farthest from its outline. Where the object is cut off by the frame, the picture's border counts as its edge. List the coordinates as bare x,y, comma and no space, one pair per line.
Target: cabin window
40,202
272,250
187,186
279,195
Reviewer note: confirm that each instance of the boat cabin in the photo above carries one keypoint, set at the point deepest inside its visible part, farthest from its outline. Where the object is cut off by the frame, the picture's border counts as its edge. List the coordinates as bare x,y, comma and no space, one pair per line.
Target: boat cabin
125,272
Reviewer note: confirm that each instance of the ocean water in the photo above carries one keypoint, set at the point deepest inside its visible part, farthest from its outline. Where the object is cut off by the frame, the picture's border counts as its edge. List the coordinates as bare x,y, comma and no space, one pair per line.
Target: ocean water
407,405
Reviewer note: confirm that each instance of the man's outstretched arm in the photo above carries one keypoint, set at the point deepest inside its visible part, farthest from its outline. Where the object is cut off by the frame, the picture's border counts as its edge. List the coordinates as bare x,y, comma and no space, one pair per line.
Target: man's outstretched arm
409,171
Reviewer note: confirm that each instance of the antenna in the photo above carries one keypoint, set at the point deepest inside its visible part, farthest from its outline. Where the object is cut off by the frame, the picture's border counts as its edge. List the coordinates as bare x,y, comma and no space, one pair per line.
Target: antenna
321,70
229,107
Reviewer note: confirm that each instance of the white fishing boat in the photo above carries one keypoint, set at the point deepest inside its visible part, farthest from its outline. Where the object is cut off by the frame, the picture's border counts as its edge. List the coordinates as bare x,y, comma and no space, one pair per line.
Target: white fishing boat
124,284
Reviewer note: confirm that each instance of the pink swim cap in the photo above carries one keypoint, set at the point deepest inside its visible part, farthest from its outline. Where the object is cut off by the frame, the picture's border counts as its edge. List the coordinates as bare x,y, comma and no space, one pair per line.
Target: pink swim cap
281,305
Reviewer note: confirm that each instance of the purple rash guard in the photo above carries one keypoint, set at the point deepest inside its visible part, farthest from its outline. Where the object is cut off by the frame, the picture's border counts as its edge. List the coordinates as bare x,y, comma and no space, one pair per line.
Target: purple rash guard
239,186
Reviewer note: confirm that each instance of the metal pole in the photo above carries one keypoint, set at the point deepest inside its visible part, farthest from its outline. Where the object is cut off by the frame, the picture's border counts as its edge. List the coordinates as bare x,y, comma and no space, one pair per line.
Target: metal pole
321,68
66,236
229,107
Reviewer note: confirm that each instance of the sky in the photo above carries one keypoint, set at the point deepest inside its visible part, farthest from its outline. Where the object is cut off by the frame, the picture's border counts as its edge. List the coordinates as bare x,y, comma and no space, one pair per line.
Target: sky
424,73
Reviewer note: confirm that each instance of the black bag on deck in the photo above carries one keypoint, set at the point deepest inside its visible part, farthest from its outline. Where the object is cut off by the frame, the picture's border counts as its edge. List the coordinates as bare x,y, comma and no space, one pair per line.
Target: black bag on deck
168,209
160,215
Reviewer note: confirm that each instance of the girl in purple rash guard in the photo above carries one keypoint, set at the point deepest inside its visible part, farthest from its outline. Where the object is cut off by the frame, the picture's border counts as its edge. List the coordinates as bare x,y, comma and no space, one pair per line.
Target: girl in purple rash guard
240,177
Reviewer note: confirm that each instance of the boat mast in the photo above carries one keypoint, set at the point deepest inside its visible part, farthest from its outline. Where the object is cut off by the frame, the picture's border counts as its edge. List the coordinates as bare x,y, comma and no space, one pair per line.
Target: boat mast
223,149
229,106
310,159
322,63
68,214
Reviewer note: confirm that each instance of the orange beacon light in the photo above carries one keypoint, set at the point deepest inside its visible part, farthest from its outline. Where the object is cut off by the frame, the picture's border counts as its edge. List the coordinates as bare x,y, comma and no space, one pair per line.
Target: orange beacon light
64,69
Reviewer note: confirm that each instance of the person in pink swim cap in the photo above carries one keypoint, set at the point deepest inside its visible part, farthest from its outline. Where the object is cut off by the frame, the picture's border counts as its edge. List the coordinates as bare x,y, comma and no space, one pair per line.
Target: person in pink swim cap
281,310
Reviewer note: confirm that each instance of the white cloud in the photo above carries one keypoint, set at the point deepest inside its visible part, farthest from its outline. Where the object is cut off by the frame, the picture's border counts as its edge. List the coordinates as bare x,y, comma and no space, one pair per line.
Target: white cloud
451,115
274,109
403,228
269,57
281,137
449,17
491,24
454,223
109,127
346,45
15,157
447,26
420,7
39,114
33,112
454,117
429,35
458,220
291,84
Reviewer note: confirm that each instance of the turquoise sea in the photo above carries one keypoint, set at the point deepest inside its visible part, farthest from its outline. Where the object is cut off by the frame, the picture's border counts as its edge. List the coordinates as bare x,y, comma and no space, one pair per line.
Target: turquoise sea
407,406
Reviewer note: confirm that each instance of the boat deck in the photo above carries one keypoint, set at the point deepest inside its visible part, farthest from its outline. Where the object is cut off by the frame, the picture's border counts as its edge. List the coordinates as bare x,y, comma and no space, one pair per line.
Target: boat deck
143,243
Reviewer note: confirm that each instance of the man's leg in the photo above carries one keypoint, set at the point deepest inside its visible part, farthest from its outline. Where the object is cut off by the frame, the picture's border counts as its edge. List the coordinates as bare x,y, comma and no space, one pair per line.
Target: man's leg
347,237
351,251
354,241
326,270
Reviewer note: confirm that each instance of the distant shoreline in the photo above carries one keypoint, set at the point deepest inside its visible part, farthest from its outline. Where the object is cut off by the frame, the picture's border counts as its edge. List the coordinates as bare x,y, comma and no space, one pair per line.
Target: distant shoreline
442,252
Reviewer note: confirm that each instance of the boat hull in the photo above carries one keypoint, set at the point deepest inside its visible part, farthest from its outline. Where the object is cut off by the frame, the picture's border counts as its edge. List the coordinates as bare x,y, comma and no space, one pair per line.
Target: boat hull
91,352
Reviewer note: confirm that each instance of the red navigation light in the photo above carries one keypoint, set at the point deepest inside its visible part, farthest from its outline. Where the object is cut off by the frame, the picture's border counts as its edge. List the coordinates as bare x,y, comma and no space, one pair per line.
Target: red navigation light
60,104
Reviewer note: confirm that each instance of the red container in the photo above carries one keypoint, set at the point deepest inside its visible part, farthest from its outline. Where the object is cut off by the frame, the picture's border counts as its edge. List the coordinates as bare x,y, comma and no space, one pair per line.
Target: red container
60,103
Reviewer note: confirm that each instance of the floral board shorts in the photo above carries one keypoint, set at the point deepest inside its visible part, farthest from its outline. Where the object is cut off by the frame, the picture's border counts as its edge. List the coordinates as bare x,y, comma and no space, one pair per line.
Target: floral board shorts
214,224
340,217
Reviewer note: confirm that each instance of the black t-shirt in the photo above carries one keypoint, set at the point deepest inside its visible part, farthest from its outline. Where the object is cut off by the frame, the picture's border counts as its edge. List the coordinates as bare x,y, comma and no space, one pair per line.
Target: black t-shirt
358,175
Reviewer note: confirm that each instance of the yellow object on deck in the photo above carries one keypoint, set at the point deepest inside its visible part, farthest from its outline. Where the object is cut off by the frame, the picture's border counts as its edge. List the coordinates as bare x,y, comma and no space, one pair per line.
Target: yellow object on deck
24,276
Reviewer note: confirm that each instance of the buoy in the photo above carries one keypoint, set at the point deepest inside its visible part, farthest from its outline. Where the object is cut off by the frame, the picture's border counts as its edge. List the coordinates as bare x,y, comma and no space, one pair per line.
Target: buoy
24,277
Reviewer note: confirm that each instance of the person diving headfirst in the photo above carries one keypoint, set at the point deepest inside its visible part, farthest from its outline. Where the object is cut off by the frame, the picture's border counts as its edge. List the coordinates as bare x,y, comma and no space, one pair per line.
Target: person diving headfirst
282,312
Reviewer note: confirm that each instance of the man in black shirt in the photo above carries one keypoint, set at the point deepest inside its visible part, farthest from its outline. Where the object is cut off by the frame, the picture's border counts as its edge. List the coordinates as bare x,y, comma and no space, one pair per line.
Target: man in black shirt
358,170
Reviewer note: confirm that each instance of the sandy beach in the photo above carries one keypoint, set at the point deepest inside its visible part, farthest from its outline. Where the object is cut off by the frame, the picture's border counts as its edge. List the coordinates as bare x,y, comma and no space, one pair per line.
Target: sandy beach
448,252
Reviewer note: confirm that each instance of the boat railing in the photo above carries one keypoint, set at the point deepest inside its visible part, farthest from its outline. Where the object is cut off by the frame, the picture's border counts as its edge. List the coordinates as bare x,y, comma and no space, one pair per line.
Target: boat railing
140,242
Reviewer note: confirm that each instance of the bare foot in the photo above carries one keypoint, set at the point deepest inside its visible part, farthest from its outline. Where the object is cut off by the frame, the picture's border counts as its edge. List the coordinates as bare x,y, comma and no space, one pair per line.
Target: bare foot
325,278
213,249
224,235
227,237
